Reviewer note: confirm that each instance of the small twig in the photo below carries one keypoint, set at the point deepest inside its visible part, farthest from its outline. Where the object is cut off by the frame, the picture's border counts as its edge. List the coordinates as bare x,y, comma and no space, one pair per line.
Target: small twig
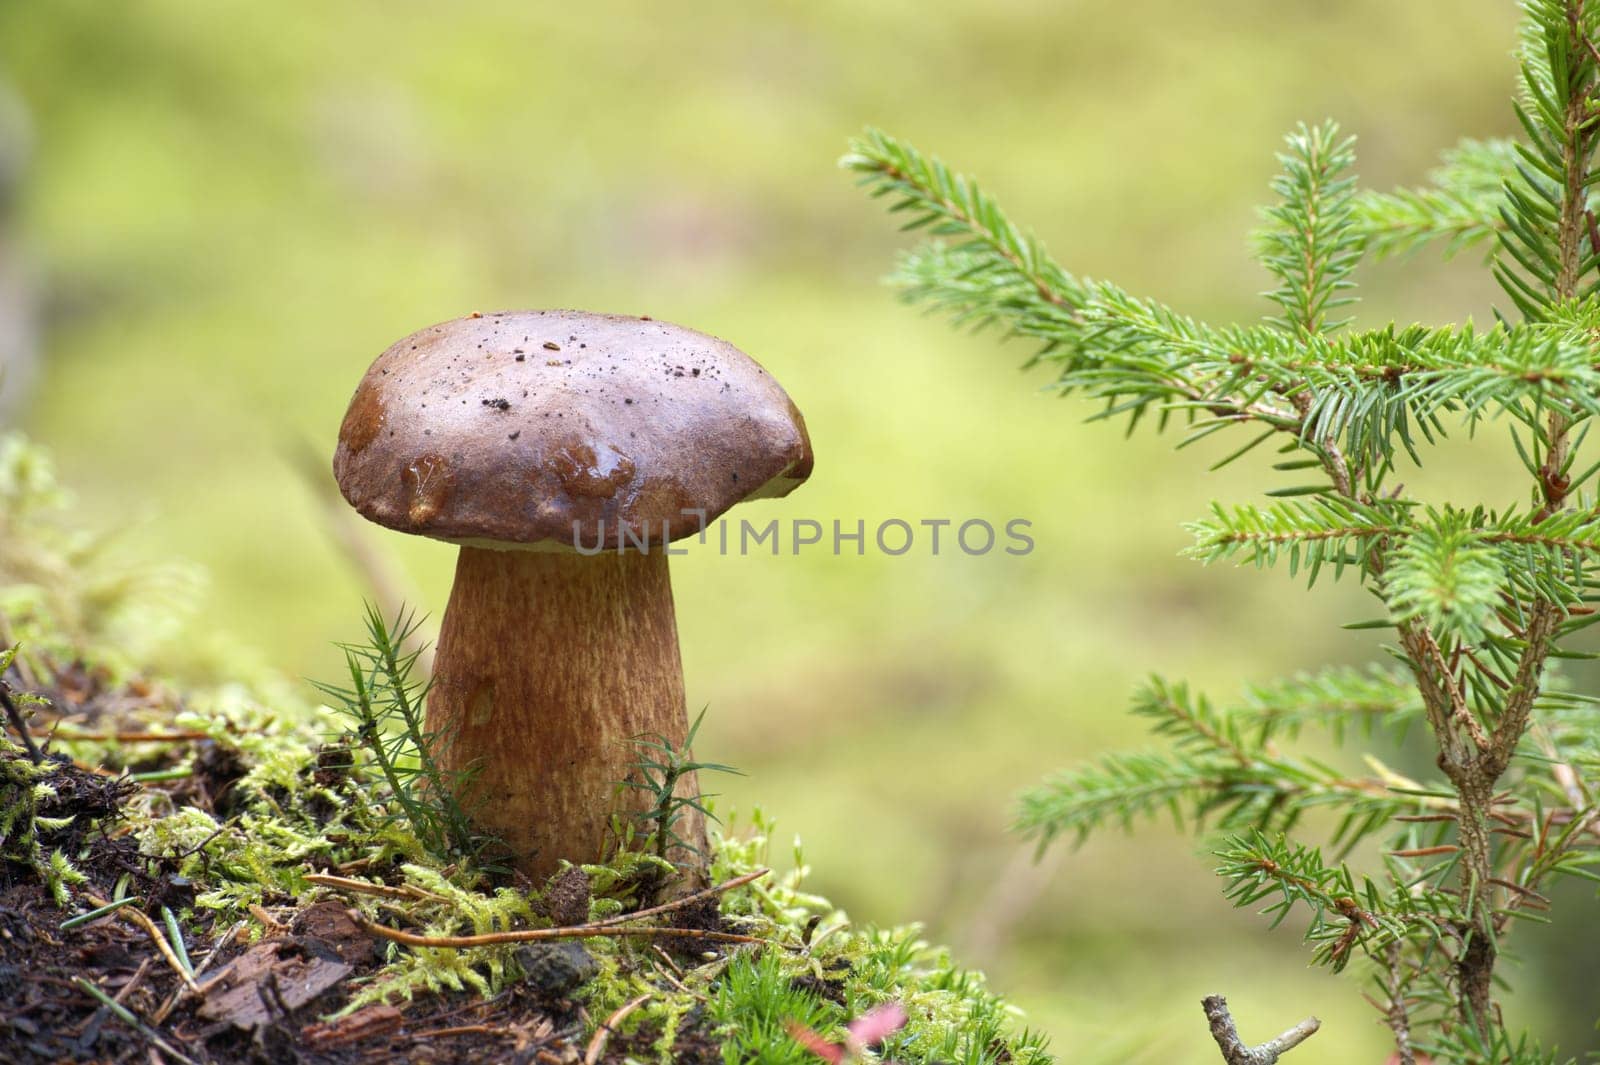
1587,43
675,982
121,996
667,958
1525,892
531,935
621,925
18,724
132,985
597,1045
271,924
363,887
203,844
1234,1050
672,974
687,900
460,1029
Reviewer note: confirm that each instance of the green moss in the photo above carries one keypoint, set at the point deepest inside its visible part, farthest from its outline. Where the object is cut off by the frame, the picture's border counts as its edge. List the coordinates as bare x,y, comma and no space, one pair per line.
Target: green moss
821,969
27,827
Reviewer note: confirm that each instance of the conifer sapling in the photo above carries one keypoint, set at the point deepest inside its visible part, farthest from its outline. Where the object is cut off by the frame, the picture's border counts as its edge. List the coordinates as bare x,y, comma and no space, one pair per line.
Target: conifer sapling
1479,598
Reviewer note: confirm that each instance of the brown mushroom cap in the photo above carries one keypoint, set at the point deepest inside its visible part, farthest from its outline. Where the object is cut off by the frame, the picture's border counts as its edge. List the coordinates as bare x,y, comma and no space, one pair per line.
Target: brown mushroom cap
533,427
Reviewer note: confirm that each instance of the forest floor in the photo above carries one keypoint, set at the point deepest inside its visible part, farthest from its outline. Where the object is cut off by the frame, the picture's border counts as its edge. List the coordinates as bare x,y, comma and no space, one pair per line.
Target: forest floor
248,871
264,1000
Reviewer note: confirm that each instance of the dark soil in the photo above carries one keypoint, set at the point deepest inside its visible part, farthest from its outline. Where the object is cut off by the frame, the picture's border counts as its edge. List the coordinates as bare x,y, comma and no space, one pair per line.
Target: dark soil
47,1015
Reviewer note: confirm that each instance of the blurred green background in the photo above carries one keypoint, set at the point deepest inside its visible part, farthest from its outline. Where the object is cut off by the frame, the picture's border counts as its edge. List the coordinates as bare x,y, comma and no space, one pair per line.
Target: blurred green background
231,208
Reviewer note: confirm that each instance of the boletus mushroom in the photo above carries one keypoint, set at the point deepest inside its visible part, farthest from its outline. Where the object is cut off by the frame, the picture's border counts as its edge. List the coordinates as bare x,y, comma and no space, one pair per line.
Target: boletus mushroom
563,451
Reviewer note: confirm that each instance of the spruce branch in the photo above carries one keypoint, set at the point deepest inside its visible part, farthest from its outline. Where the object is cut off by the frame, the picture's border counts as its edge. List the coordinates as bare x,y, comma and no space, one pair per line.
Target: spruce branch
1460,207
1374,390
1343,397
1311,244
1311,534
997,273
1447,575
1344,914
1546,217
1222,772
1335,699
950,204
1449,571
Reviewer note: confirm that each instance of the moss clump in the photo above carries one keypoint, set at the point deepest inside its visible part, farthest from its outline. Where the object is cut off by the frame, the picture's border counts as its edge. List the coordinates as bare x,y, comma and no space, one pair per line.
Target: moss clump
45,812
820,971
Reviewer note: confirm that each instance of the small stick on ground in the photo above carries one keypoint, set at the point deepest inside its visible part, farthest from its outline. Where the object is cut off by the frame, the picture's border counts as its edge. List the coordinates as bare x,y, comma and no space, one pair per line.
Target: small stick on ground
597,1045
1234,1050
686,901
460,1029
132,985
363,887
271,924
621,925
667,958
533,935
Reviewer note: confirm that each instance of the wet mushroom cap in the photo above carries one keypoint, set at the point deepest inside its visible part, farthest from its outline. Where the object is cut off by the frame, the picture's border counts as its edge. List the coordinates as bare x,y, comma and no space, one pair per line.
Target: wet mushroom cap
533,427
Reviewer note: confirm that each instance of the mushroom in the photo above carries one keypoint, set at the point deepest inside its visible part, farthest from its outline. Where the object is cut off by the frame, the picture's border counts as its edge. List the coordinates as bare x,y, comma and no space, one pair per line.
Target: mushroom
562,451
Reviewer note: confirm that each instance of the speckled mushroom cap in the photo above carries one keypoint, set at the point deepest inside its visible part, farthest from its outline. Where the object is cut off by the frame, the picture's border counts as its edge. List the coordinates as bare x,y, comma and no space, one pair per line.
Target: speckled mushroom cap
531,428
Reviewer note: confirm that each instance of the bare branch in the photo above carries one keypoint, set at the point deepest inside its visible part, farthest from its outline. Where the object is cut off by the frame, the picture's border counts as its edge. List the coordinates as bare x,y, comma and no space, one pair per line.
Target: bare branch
1234,1050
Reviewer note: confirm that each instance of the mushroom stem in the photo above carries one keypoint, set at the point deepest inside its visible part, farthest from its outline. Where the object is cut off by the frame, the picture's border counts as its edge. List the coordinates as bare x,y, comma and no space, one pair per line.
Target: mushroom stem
549,664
